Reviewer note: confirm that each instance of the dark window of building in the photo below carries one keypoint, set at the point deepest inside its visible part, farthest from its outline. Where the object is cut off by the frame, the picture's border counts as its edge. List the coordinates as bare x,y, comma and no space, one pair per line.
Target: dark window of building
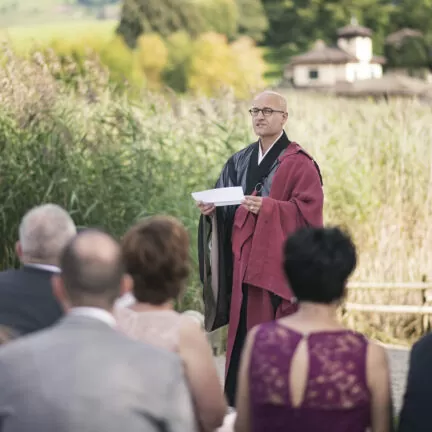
313,74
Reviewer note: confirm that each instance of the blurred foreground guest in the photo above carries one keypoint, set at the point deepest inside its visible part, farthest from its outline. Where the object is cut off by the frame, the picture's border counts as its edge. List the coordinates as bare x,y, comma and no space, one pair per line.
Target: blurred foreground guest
156,252
83,375
306,372
27,303
416,415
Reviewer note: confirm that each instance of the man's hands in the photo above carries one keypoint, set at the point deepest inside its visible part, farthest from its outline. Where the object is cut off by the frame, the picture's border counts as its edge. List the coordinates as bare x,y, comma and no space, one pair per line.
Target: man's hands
252,204
206,209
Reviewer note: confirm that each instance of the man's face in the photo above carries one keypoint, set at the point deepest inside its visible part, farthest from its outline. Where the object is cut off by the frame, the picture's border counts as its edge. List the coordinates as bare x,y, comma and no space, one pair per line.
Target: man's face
270,122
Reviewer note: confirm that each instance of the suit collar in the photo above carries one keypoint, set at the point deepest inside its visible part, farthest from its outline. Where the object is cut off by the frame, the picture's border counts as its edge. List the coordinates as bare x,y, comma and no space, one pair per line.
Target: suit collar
84,321
94,313
42,267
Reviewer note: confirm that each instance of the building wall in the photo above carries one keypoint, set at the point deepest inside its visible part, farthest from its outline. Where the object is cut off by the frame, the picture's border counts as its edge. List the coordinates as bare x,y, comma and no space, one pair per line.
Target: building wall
362,70
361,47
318,75
377,70
328,75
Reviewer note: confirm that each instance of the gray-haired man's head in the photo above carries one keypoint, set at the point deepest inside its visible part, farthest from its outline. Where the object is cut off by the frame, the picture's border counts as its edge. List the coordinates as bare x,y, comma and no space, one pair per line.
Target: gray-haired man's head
92,272
43,233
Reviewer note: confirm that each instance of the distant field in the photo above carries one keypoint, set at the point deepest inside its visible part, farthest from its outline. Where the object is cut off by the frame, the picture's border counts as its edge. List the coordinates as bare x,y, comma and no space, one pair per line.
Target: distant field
23,37
28,12
38,12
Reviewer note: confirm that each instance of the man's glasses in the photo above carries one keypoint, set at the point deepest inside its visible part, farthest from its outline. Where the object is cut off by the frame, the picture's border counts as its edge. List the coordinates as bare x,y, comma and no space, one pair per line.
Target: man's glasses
267,112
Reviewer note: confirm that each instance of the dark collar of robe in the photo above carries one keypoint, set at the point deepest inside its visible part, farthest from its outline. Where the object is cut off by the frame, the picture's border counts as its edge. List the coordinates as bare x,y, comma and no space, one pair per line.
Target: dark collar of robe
257,173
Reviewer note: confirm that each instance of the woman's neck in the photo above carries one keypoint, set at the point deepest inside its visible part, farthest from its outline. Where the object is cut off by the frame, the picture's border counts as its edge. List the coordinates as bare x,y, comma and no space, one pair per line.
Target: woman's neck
318,312
141,306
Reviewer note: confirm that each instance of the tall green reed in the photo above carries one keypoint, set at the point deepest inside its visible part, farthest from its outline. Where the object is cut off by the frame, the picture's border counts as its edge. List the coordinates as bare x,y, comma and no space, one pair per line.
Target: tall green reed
111,160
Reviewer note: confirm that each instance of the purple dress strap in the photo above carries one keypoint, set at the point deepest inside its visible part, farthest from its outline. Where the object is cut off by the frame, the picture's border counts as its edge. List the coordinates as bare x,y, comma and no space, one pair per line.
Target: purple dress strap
336,396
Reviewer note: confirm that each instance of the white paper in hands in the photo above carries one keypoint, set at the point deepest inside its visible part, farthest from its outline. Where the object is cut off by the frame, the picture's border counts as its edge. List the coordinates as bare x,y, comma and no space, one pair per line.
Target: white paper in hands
221,196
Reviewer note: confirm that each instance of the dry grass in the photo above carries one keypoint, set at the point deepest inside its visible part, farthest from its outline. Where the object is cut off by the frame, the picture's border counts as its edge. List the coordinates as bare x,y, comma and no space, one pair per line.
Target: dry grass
376,163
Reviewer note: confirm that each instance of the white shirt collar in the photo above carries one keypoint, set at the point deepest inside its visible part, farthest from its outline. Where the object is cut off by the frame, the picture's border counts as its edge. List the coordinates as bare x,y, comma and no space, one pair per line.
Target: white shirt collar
260,155
126,300
95,313
47,267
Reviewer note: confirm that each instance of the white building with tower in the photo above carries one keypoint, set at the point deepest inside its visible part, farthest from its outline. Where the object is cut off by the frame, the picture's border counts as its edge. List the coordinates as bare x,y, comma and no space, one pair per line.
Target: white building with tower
352,59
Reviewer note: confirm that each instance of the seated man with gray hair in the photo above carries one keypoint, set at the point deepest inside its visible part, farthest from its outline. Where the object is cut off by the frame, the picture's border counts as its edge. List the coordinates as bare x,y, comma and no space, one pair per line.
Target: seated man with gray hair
27,303
83,374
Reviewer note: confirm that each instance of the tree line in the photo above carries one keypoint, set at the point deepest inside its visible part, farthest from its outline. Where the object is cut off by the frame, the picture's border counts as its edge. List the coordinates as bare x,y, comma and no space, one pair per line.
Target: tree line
289,24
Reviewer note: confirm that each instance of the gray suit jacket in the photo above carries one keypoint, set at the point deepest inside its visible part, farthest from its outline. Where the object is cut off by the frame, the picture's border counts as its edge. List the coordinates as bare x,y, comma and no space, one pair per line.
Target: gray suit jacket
83,376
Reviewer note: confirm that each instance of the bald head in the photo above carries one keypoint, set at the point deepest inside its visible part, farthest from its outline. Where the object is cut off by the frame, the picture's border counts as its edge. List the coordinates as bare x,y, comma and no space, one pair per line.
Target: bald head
92,269
273,98
43,233
269,115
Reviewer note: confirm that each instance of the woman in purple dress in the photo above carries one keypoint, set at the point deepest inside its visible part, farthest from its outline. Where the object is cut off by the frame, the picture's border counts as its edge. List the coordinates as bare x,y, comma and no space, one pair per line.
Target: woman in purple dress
306,372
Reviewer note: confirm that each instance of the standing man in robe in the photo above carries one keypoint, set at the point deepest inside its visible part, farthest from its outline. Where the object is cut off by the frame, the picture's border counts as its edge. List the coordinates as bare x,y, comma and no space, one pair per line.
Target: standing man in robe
240,247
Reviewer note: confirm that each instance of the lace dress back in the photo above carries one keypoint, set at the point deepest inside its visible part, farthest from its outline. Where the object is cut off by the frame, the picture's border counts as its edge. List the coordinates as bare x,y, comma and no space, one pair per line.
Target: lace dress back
336,397
156,327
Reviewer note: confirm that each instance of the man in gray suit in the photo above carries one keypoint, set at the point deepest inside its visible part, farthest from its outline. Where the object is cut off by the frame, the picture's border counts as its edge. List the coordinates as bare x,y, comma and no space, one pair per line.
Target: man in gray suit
82,375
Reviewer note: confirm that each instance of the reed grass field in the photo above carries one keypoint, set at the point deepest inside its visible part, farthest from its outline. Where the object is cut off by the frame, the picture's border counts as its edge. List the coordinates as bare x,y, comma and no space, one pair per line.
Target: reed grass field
111,160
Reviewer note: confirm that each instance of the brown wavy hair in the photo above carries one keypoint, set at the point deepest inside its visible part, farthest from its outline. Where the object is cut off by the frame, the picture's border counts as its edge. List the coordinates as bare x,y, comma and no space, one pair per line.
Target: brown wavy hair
156,254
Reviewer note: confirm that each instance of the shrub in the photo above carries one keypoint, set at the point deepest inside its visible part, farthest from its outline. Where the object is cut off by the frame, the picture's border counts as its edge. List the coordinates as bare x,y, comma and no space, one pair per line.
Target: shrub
205,65
221,16
252,19
410,52
163,17
123,66
166,17
213,65
77,59
152,56
180,51
250,64
216,65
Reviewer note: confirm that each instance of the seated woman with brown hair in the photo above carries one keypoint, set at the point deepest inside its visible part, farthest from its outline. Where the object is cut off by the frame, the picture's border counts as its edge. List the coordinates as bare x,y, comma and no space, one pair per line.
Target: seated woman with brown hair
156,252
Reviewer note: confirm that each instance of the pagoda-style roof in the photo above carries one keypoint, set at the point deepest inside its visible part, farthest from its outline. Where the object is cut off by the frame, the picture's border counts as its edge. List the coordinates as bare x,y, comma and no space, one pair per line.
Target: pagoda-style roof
323,54
399,36
354,29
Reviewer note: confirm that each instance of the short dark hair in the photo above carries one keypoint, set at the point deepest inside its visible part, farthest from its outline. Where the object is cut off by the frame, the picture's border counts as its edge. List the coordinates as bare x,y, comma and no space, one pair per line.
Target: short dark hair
156,253
318,262
88,275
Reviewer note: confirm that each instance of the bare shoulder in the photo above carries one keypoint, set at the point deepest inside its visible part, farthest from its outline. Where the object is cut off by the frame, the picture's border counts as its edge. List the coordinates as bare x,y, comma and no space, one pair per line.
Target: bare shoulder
377,365
190,331
377,354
